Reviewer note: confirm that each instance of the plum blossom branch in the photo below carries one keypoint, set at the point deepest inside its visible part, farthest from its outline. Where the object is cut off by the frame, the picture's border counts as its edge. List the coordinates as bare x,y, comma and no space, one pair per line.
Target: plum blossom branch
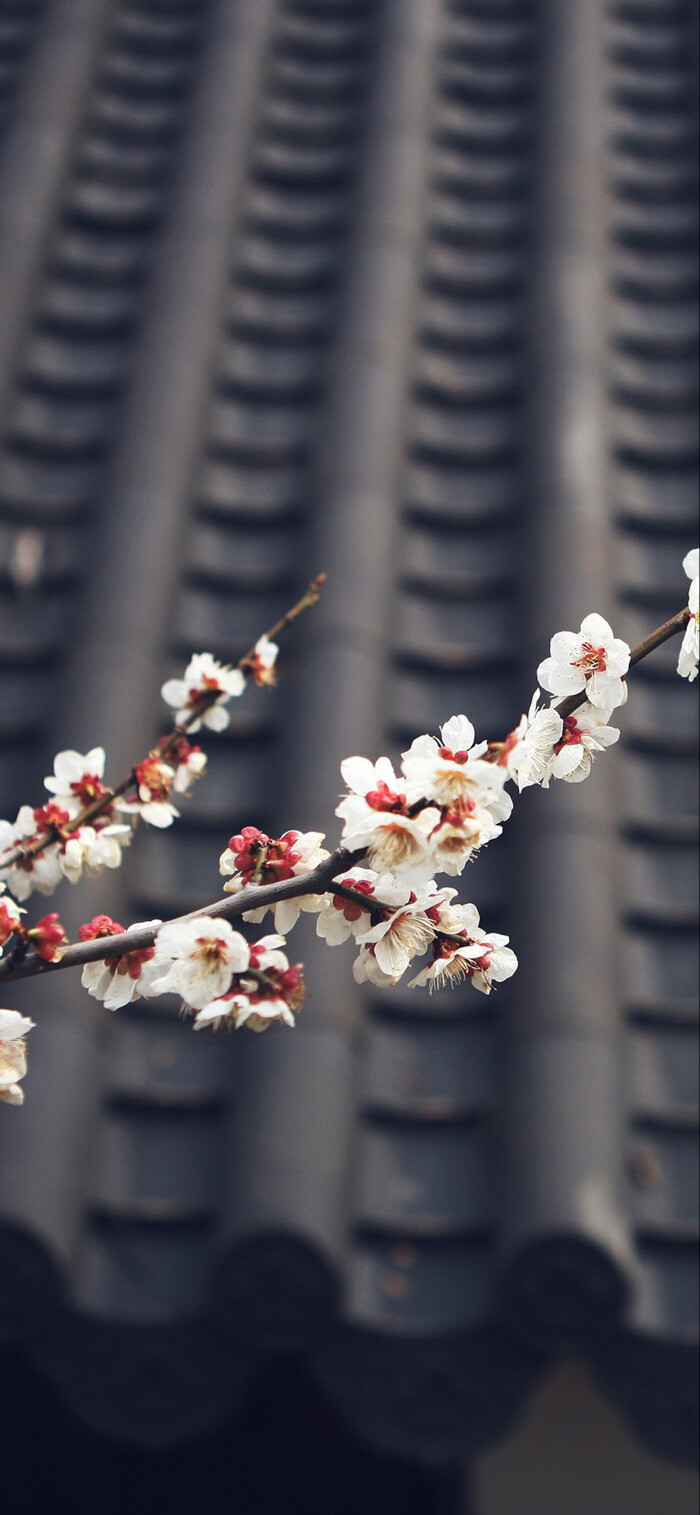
152,776
139,938
256,896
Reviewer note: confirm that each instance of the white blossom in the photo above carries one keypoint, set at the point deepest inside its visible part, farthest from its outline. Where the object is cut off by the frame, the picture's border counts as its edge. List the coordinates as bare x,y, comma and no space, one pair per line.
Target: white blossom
458,835
585,735
203,675
400,845
77,779
42,872
485,958
91,849
10,917
13,1055
191,766
273,993
593,659
690,649
387,949
118,980
262,664
531,754
443,771
374,790
197,959
376,820
154,779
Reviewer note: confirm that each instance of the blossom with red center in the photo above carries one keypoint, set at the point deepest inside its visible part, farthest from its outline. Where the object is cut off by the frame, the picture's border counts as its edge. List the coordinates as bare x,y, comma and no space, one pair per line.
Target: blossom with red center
374,789
48,937
443,771
584,736
51,817
484,959
262,663
271,990
118,979
461,830
197,959
154,780
190,763
377,821
593,659
27,872
77,779
387,947
204,678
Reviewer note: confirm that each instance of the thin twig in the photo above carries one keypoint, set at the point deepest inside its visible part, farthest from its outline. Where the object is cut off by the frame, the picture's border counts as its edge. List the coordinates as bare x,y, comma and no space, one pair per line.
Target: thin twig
139,937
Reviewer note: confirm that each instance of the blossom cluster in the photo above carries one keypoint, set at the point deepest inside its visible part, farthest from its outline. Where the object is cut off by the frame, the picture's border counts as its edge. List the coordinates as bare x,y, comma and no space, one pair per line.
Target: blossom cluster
214,970
401,829
84,826
390,922
592,663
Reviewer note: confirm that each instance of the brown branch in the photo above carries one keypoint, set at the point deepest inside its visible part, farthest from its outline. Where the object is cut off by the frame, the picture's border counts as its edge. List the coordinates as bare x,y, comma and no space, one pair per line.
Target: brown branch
97,807
137,938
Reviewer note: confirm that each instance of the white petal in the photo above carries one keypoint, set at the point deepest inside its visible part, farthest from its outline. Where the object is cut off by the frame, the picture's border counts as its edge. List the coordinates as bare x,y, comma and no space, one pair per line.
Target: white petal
122,990
13,1025
159,813
358,774
564,646
597,630
287,913
174,692
458,733
216,719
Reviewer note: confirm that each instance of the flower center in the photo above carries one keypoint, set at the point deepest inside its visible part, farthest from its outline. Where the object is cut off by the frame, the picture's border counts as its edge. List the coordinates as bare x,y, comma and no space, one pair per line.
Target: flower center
391,847
572,736
208,685
592,659
88,788
210,951
155,777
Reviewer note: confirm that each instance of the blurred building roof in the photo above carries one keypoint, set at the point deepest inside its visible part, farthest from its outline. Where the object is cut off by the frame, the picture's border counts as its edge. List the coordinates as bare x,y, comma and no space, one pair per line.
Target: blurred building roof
405,290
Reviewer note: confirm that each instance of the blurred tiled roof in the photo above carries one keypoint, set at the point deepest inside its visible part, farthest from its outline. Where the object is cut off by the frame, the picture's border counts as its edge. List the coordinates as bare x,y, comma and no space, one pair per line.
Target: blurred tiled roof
403,289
